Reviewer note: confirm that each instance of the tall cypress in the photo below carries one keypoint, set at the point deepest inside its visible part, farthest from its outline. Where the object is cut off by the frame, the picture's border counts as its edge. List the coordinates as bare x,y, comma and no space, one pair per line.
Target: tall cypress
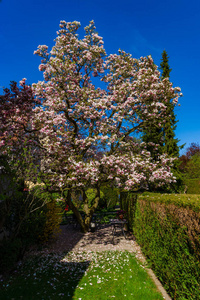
164,66
170,145
153,136
165,136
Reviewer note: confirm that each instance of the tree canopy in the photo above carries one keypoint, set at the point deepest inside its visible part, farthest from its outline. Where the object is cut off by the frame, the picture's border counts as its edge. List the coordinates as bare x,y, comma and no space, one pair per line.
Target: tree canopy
189,162
83,135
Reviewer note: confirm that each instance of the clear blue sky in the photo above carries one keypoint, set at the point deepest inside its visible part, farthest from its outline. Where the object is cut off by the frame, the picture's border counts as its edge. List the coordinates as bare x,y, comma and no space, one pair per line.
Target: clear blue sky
140,27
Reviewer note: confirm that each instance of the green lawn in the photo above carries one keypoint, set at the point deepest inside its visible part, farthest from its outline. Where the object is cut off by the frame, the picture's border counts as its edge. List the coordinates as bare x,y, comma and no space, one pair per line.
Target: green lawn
80,276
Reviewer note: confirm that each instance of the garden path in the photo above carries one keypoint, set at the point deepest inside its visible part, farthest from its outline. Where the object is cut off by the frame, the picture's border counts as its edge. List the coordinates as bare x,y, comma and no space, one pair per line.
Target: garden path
72,239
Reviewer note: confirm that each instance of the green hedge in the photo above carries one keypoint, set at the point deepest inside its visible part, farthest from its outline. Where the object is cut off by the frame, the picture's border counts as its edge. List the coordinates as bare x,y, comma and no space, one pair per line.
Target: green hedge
167,227
188,201
128,203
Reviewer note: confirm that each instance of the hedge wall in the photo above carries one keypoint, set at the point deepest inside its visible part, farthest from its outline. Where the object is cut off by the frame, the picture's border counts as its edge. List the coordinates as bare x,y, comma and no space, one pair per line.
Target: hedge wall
167,227
128,203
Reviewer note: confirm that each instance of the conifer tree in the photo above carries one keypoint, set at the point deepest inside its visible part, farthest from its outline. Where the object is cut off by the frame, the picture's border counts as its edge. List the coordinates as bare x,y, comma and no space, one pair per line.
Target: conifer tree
153,137
164,136
170,145
164,66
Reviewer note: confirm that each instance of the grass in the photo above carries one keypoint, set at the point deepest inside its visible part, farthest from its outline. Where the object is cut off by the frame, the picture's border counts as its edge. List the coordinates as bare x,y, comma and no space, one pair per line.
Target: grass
81,276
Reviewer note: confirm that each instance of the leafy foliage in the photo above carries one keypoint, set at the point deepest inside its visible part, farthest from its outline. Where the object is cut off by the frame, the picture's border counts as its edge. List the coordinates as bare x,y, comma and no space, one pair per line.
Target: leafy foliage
192,186
193,167
110,197
189,166
128,202
169,249
53,217
91,194
189,162
193,149
170,143
165,136
28,219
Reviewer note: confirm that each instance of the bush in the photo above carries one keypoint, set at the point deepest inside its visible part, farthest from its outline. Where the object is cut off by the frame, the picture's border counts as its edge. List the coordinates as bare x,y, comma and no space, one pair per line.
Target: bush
192,186
53,217
109,197
32,218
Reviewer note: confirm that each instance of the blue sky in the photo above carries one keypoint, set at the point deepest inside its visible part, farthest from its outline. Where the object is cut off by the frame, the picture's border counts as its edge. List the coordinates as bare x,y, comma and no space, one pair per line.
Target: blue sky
139,27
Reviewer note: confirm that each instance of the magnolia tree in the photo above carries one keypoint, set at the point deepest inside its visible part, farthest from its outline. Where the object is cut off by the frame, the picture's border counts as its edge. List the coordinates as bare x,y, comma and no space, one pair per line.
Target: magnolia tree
86,135
17,156
16,136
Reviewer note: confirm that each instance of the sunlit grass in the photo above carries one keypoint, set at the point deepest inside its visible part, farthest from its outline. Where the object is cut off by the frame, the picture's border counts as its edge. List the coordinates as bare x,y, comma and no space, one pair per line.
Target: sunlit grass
80,276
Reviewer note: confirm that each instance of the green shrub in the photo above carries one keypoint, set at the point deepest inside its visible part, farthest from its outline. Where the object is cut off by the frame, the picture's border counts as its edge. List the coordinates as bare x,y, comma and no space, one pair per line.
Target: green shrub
180,200
192,186
33,217
49,215
53,218
109,197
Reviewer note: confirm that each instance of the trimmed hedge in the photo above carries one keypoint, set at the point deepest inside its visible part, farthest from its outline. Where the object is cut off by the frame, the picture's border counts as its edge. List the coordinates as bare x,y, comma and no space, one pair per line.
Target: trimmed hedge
128,203
167,227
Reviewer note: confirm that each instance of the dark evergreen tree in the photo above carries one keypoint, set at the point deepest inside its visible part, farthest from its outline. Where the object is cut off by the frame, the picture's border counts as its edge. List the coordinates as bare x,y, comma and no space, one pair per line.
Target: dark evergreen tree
170,145
164,66
154,139
165,136
153,136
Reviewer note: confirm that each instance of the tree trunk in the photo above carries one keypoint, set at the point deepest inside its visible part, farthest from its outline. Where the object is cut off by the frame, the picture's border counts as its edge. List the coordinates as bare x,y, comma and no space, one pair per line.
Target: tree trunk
76,213
89,211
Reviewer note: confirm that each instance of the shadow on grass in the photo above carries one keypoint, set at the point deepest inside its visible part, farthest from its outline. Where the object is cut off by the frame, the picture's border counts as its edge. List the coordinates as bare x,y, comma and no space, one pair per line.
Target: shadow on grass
47,274
44,277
